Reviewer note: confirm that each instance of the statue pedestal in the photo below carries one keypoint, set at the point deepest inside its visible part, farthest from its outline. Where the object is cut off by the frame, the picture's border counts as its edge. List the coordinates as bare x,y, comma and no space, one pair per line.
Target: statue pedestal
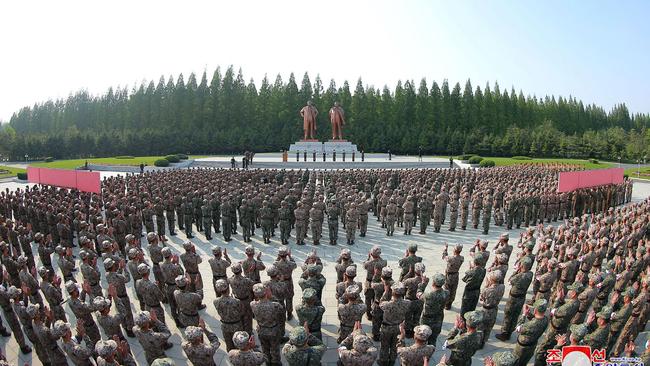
309,146
340,146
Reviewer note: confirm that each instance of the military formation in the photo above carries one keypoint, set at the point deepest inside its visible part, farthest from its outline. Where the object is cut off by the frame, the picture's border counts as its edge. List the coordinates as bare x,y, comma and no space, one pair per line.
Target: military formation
580,282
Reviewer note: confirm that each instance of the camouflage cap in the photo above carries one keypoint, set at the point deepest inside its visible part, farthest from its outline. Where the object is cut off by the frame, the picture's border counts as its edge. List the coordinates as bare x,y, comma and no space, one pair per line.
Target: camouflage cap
438,279
353,291
22,260
579,331
181,281
236,268
14,291
240,339
362,343
163,362
59,249
166,252
375,251
398,288
351,271
386,272
495,276
605,313
71,287
540,305
298,336
60,328
259,290
151,237
142,318
412,248
130,237
133,252
483,244
422,332
474,318
84,255
629,292
42,271
530,245
419,268
188,245
309,294
105,348
283,251
106,244
272,271
221,285
143,268
108,263
345,253
505,358
249,249
193,333
458,247
576,286
504,236
3,245
99,227
100,303
32,310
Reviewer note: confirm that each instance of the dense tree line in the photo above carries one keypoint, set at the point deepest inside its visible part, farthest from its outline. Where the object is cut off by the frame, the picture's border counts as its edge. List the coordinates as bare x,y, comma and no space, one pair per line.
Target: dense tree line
224,113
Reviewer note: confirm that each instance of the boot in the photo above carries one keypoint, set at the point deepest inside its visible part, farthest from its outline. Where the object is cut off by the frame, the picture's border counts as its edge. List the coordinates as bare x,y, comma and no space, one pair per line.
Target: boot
5,333
503,337
25,349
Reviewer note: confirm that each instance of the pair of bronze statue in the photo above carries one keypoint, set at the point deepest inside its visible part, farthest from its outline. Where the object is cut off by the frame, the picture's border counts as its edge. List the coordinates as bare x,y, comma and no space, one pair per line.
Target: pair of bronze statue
309,113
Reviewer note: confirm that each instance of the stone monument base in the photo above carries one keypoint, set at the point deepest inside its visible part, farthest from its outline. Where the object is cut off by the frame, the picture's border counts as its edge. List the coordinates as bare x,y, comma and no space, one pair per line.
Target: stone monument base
327,147
308,146
340,146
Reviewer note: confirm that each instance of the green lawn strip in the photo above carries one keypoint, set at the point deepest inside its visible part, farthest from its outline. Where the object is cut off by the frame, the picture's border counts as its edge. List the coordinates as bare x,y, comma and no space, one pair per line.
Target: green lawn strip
501,161
75,163
632,173
11,171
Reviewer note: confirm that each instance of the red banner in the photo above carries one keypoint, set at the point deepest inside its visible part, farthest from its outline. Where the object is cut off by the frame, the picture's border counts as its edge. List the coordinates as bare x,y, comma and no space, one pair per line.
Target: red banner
81,180
570,181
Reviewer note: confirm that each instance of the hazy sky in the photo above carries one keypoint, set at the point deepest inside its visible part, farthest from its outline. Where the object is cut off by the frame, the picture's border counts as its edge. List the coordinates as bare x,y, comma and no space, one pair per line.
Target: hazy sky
598,51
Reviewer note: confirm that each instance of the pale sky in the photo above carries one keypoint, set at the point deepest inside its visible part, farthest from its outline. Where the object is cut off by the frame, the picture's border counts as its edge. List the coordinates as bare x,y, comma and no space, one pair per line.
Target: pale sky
598,51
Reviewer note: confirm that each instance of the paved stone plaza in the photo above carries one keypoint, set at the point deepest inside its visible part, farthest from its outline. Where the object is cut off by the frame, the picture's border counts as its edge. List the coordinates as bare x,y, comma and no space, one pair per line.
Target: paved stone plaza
430,248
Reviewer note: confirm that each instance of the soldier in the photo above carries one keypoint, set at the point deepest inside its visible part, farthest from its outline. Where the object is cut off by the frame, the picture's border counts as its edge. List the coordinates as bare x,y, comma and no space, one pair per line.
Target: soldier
473,279
110,323
519,283
620,318
12,320
349,275
362,208
374,265
310,313
547,280
350,312
424,208
82,311
191,262
487,212
245,218
151,294
351,219
303,349
78,353
451,273
152,334
242,289
301,215
197,203
357,349
66,263
532,327
46,336
188,213
230,312
418,352
342,263
206,219
197,351
266,219
252,265
188,302
285,266
465,340
170,214
50,286
414,285
226,220
109,353
159,209
409,214
219,264
394,312
25,319
439,209
464,209
477,205
597,339
180,209
391,216
270,318
245,354
453,211
433,304
215,208
284,218
147,216
155,253
407,263
170,270
28,281
315,280
586,298
119,281
489,300
316,224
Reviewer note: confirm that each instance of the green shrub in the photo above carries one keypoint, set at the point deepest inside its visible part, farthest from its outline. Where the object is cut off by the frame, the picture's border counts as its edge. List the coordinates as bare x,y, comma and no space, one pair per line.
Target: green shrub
125,157
172,158
22,176
626,176
487,163
593,161
161,162
465,156
182,156
49,159
475,159
522,158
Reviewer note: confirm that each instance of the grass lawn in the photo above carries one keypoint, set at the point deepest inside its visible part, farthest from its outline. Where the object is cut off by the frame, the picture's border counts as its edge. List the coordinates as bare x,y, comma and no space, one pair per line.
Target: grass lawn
12,171
510,161
645,173
75,163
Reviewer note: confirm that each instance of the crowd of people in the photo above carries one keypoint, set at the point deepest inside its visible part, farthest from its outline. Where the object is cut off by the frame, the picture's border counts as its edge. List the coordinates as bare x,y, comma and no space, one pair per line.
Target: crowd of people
580,282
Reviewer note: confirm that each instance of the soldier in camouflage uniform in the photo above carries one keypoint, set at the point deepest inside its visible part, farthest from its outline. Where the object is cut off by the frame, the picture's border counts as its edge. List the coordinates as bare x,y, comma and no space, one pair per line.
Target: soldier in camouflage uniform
357,349
82,310
50,286
351,219
409,214
310,313
531,327
191,262
464,340
464,209
394,312
215,208
242,289
391,216
451,272
266,220
424,208
284,219
477,205
245,219
419,351
188,302
316,224
119,281
433,305
153,335
333,221
486,215
206,219
219,264
489,300
301,215
159,210
12,320
155,253
473,279
170,214
285,265
230,312
362,208
170,269
270,318
303,349
226,220
407,264
245,354
188,213
252,265
197,351
350,312
519,283
453,211
373,266
151,295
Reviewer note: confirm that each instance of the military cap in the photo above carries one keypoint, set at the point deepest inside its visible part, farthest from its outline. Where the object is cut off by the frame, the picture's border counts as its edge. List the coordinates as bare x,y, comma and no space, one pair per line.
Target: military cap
151,237
474,318
22,260
236,268
495,276
3,289
42,271
14,291
60,328
166,252
629,292
240,339
108,263
83,254
530,245
188,245
552,262
32,310
595,277
351,271
105,348
298,336
362,343
505,358
540,305
59,249
193,333
130,237
345,253
216,250
576,286
283,251
163,362
100,227
483,244
38,236
398,288
504,236
259,290
605,313
181,281
71,287
422,332
419,268
143,268
3,245
249,249
386,272
375,251
579,331
106,244
438,279
458,247
272,271
100,303
221,285
352,291
412,248
133,252
142,318
309,294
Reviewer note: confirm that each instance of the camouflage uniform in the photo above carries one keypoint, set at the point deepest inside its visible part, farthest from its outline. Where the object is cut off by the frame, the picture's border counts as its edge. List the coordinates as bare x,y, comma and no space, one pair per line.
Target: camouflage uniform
242,289
489,300
284,215
415,354
454,263
285,266
310,313
151,294
394,312
226,220
188,303
154,339
270,318
463,345
243,356
433,310
218,264
357,350
198,352
351,219
230,313
301,216
530,330
316,224
303,349
473,279
519,283
414,286
206,219
350,312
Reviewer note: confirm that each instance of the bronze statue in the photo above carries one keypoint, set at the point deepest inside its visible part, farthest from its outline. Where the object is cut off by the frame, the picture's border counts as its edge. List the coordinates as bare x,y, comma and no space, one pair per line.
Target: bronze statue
337,117
309,113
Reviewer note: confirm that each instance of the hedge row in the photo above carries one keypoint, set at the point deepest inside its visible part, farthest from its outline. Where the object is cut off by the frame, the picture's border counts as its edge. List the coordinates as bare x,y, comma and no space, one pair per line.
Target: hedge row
487,163
475,159
161,162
